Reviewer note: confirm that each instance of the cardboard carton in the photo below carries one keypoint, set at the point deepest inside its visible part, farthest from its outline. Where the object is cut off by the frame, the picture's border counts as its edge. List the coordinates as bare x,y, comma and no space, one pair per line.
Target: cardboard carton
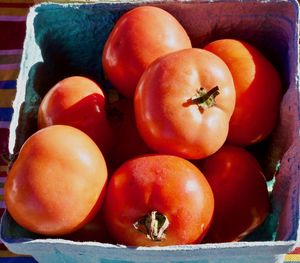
67,39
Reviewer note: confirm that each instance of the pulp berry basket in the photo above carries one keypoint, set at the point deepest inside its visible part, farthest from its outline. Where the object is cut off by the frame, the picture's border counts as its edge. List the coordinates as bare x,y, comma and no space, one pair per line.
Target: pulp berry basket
67,39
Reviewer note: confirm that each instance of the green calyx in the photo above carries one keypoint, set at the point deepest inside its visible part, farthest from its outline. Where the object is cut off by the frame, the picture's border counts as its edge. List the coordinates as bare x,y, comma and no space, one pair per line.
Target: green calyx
205,99
153,225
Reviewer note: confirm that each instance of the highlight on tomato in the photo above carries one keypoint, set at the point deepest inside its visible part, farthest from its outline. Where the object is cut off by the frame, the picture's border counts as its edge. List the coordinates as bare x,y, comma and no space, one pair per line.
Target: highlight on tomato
258,91
139,37
158,200
56,185
78,102
183,103
242,201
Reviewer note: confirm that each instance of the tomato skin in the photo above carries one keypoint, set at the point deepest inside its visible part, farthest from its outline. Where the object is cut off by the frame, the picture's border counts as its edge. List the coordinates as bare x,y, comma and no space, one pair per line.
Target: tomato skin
95,230
258,91
139,37
168,184
240,191
167,120
79,102
127,140
57,183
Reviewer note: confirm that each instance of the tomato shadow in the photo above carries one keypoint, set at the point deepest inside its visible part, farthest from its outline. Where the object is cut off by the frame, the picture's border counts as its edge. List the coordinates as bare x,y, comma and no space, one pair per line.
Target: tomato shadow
86,108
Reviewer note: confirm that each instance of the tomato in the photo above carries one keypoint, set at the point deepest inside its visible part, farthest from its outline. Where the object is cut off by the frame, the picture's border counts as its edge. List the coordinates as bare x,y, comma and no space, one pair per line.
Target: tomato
57,183
79,102
94,230
240,191
183,103
127,140
139,37
158,200
258,91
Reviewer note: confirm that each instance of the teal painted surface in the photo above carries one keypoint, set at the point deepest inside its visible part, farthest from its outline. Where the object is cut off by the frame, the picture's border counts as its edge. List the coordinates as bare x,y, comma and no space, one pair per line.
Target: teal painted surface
69,40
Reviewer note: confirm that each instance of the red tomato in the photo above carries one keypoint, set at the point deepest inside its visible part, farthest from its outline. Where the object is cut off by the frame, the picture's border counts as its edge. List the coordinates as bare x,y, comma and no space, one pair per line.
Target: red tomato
240,192
183,103
94,230
127,140
57,182
258,91
78,102
158,200
138,38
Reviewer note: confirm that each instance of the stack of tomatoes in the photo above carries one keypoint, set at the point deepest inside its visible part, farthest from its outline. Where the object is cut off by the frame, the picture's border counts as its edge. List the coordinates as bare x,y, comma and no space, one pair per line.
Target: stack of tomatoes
160,158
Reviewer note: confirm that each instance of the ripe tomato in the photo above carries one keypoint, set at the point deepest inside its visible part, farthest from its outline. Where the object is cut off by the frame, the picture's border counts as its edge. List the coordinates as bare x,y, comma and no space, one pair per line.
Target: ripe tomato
183,103
138,38
258,91
127,140
94,230
158,200
57,182
240,192
78,102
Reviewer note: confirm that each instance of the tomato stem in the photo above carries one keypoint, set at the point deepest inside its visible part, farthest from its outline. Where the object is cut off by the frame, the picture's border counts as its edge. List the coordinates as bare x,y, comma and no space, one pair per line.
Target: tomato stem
153,225
205,99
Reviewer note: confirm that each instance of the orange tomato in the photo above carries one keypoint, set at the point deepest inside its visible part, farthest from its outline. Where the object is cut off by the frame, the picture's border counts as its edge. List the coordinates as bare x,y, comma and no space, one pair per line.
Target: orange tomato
79,102
127,140
95,230
139,37
258,91
56,184
158,200
183,103
241,196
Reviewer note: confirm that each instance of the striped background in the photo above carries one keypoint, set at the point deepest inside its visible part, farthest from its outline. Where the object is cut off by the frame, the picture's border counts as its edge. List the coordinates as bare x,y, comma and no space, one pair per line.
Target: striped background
12,31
